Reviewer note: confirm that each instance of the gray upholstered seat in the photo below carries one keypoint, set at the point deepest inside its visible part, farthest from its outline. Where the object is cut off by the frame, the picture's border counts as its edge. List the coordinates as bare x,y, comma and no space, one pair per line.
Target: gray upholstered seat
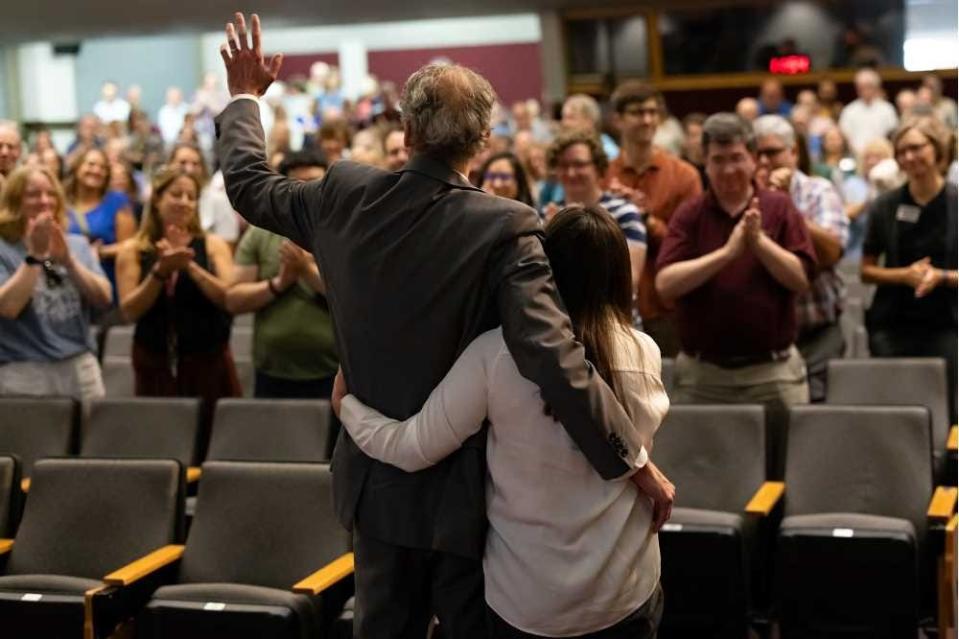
35,427
715,455
86,518
166,427
895,382
852,543
119,341
259,529
118,378
290,430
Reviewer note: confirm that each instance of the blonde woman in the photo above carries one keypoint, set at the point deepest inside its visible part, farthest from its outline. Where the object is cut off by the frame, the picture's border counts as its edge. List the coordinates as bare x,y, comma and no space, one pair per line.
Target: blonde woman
172,280
49,282
858,193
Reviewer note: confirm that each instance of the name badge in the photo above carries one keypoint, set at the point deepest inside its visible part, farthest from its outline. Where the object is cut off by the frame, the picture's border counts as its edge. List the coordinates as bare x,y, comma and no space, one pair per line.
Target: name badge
908,213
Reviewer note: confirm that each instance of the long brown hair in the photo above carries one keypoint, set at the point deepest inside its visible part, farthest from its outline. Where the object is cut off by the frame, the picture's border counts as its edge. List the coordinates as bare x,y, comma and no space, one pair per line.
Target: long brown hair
13,223
590,261
151,227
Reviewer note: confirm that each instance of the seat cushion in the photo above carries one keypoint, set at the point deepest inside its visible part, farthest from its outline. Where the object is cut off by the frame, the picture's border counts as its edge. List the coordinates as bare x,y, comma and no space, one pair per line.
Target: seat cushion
60,584
826,524
694,518
240,595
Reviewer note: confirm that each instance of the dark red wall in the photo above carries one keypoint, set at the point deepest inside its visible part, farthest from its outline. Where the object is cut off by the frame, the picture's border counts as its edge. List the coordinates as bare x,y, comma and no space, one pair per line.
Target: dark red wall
299,64
514,70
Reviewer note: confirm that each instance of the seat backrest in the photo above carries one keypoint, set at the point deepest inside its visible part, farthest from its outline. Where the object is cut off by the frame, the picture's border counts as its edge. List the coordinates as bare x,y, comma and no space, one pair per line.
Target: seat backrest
118,377
119,342
9,494
859,459
264,524
88,517
715,455
161,427
35,427
292,430
893,381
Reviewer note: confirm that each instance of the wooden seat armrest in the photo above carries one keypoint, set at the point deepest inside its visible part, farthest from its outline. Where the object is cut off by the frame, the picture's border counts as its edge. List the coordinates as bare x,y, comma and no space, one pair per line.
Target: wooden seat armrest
326,576
766,498
6,545
25,484
144,565
193,474
943,504
953,441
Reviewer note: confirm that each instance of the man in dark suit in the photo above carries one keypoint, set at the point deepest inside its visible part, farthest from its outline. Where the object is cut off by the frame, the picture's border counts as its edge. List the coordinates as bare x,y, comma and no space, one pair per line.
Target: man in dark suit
417,263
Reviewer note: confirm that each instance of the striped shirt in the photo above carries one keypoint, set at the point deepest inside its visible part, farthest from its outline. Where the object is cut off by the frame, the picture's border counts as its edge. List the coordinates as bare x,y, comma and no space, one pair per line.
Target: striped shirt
626,214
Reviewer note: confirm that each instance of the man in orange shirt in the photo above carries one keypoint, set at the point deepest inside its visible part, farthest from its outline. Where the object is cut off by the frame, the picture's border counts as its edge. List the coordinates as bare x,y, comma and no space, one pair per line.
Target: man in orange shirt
657,183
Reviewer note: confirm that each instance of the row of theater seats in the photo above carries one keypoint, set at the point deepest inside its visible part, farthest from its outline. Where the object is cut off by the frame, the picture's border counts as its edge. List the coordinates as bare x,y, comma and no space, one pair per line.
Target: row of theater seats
115,358
847,545
101,551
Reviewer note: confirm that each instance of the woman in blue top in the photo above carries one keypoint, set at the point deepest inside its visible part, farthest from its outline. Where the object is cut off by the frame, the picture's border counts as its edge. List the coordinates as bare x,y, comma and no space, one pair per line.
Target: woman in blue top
49,281
102,215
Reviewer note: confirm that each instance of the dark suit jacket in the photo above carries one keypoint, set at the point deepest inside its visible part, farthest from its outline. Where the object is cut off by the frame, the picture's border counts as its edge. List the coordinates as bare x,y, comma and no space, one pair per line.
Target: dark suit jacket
417,264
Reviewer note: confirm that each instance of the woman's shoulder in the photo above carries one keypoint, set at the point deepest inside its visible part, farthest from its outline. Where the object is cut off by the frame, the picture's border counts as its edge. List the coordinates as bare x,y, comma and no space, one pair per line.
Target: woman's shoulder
636,351
115,200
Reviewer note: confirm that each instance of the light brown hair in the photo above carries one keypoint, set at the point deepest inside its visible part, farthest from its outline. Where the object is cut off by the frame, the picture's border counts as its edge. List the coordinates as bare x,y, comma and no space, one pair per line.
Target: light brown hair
13,224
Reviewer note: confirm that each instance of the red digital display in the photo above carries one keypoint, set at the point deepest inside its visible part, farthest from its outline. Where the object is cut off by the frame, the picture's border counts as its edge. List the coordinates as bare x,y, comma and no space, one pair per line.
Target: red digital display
789,64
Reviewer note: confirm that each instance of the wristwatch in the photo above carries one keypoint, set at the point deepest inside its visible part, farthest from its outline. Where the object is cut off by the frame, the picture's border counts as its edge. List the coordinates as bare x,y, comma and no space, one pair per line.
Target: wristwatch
36,261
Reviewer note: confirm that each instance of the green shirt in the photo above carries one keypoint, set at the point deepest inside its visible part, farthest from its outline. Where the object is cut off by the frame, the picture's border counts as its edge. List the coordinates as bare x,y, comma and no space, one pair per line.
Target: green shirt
293,335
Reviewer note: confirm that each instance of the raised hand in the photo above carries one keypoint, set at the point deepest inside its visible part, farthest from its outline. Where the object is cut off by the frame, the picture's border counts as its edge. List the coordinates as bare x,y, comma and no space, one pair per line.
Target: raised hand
246,70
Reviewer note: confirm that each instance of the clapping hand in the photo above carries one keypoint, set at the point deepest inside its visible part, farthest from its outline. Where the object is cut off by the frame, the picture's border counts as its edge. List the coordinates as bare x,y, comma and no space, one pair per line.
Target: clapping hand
38,234
923,277
59,251
171,258
291,265
637,197
550,211
246,70
780,179
753,222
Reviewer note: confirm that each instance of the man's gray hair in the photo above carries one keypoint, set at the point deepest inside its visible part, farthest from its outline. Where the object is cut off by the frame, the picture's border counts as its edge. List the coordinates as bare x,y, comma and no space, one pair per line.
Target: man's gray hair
727,128
587,105
12,126
447,110
777,126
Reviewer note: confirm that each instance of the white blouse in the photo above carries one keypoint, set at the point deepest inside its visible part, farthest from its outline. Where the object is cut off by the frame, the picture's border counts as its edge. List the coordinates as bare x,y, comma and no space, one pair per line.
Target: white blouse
567,552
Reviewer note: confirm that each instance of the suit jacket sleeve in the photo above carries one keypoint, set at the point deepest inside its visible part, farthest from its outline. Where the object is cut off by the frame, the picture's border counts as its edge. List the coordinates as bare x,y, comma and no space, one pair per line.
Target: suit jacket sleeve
540,338
263,197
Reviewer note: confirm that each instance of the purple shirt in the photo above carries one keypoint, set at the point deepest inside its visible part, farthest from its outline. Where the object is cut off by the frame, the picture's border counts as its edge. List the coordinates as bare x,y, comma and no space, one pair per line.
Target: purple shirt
742,310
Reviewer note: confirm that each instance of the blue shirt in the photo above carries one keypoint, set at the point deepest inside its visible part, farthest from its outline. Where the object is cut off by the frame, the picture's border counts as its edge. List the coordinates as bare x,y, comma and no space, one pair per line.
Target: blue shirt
102,225
55,323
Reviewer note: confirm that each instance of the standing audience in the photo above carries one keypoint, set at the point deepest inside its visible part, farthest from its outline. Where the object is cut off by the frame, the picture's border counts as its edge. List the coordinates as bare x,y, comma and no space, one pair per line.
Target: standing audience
503,174
869,116
294,351
49,282
820,337
172,279
11,146
656,182
912,230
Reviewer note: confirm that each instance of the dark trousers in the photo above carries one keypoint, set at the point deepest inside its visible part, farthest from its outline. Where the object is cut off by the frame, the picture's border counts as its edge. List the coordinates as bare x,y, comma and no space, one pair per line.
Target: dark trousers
398,590
269,387
665,333
642,624
926,343
817,347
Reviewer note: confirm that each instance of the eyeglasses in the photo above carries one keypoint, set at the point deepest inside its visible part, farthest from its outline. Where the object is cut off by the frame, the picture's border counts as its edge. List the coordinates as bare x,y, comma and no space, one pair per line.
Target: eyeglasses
770,152
502,177
641,111
577,165
910,148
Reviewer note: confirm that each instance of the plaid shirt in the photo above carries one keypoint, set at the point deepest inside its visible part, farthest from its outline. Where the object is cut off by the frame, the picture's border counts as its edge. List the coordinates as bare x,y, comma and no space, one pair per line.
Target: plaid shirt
818,201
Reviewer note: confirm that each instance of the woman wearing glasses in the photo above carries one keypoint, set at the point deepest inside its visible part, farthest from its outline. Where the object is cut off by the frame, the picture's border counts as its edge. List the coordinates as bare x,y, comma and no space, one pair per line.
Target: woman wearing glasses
49,282
913,228
503,175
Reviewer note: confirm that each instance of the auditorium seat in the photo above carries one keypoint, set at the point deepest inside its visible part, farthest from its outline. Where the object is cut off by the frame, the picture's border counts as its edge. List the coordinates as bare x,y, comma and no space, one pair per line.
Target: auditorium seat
897,382
10,495
154,427
712,545
35,427
292,430
85,522
854,554
119,342
265,557
118,380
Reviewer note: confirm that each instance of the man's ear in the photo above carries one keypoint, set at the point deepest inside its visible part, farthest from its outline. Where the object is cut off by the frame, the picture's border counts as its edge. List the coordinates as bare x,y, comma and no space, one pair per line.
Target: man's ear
486,136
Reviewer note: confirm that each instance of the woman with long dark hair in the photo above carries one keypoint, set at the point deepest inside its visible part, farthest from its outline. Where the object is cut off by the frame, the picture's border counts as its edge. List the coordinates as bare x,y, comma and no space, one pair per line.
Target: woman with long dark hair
568,554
